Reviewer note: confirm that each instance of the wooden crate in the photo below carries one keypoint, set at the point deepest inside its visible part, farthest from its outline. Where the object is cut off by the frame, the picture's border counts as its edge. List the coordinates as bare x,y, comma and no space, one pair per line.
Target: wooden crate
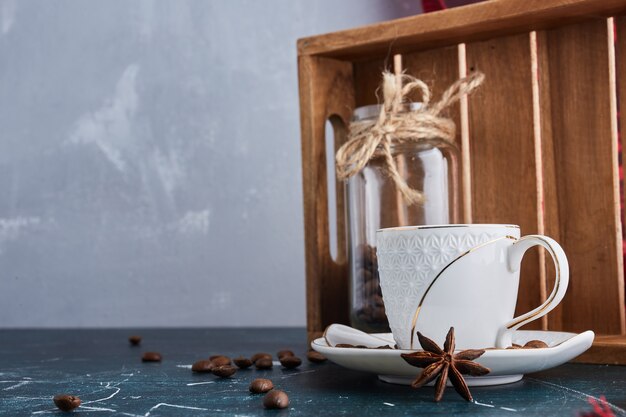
539,141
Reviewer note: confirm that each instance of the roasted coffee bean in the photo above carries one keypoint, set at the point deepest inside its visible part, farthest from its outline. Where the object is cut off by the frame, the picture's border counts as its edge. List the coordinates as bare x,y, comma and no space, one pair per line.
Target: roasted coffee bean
260,355
372,287
261,385
151,357
315,357
290,362
378,315
535,344
242,363
515,346
202,366
276,399
224,371
361,347
66,402
263,363
285,353
377,300
371,313
384,347
134,340
219,360
344,345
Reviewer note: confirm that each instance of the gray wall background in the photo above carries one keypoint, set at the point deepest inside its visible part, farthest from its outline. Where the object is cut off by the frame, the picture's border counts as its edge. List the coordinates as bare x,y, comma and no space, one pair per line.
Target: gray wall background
150,159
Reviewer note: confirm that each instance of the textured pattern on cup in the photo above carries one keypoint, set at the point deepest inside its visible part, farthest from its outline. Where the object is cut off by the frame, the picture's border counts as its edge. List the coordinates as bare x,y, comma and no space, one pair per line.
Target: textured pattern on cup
409,259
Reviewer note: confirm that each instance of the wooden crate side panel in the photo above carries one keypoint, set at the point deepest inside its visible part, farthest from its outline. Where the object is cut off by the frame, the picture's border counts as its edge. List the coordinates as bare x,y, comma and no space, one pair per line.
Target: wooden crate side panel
583,152
326,89
503,148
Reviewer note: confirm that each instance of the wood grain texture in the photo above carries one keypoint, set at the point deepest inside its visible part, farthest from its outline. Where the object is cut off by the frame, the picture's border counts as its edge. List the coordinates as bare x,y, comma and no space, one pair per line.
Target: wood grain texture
582,199
620,71
437,67
463,24
326,90
550,211
609,350
503,150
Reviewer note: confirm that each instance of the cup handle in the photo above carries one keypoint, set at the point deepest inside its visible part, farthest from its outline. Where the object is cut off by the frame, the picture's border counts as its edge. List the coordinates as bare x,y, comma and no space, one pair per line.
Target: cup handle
515,255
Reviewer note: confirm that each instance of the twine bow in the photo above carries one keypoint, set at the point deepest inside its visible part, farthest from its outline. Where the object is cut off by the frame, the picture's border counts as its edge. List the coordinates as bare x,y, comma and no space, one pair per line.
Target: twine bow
371,138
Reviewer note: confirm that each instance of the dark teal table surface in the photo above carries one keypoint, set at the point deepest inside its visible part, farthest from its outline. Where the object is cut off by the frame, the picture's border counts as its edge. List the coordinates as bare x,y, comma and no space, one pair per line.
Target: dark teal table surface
107,374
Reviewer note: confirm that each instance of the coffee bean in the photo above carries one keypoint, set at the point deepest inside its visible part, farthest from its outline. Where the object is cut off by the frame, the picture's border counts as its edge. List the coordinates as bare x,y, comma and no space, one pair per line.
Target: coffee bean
315,357
260,355
285,353
224,371
263,363
202,366
384,347
66,402
372,287
151,357
242,363
344,345
276,399
378,315
134,340
515,346
535,344
290,362
261,385
219,360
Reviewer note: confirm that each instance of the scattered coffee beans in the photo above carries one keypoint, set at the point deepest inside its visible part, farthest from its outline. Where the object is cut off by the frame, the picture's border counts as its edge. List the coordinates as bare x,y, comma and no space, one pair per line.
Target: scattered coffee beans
219,360
344,345
151,357
134,340
224,371
285,353
535,344
260,355
261,385
276,399
242,363
315,357
290,362
263,363
66,402
202,366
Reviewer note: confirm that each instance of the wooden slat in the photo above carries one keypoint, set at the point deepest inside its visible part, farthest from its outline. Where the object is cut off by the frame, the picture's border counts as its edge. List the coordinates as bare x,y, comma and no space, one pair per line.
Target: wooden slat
437,67
326,89
550,211
620,71
463,24
577,84
606,349
502,147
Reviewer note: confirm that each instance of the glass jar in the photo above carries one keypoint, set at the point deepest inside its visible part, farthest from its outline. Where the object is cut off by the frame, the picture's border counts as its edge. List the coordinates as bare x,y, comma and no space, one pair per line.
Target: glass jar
373,202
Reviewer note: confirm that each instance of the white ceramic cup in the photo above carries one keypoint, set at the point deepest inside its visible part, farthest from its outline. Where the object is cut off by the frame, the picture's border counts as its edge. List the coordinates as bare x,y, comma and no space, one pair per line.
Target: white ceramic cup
464,276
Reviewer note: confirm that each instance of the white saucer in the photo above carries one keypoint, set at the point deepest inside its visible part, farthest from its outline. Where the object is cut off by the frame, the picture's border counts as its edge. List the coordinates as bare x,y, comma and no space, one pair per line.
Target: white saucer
506,365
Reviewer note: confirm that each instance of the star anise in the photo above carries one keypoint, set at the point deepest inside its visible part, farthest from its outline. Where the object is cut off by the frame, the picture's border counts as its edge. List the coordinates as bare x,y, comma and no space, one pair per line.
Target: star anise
445,364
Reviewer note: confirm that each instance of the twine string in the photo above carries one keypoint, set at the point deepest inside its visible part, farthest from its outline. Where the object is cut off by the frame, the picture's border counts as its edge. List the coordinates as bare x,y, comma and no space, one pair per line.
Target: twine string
373,138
